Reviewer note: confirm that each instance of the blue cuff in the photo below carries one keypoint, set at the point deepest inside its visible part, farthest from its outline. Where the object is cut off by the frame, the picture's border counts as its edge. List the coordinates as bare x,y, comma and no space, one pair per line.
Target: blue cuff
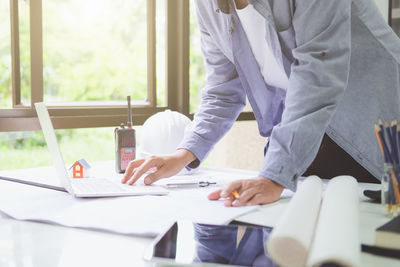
280,170
198,147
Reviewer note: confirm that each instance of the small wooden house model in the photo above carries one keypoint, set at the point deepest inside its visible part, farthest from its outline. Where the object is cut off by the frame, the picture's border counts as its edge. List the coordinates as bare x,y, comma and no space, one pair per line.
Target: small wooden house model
80,169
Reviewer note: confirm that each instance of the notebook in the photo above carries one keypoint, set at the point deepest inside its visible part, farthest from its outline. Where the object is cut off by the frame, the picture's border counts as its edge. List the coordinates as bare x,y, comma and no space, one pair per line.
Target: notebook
388,235
86,187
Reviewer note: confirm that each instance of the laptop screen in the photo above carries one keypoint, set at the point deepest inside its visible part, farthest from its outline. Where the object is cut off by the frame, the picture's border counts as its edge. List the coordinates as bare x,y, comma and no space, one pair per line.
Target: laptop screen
52,145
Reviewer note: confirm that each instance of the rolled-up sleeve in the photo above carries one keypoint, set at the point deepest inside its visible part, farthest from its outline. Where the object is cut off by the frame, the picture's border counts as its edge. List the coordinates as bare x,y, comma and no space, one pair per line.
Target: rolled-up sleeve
222,100
317,81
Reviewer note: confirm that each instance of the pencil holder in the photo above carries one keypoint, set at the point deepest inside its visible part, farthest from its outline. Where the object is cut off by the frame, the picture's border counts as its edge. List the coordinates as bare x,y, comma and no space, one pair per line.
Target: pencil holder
390,189
388,136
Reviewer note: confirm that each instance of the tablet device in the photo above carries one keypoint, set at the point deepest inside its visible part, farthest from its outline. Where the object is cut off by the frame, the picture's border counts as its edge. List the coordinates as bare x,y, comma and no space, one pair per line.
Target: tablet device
186,243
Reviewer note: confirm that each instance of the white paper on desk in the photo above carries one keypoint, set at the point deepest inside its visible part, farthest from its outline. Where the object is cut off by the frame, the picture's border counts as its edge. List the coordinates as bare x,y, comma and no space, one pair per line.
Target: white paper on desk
138,215
201,210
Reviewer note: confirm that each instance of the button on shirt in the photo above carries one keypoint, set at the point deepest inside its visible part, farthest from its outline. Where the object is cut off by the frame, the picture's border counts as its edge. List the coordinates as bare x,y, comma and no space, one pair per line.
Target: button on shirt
254,26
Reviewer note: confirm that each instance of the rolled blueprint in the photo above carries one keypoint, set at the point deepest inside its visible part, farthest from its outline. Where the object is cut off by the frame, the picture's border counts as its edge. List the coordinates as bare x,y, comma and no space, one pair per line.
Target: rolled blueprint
337,232
290,241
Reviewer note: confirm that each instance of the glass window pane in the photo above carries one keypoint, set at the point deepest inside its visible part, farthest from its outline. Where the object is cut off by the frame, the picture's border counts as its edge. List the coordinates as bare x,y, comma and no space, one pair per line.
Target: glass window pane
160,50
29,149
23,150
5,56
24,51
94,50
92,144
197,72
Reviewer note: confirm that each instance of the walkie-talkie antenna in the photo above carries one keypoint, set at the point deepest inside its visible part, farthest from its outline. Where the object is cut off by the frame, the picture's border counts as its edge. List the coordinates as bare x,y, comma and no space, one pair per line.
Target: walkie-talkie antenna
129,124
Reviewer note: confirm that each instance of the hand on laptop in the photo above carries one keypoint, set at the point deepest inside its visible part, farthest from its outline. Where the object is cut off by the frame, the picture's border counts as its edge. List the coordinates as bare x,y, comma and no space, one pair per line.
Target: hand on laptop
162,166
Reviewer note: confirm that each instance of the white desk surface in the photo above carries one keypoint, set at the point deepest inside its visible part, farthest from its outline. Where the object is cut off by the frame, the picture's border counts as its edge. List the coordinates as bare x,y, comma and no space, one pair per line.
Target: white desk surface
24,243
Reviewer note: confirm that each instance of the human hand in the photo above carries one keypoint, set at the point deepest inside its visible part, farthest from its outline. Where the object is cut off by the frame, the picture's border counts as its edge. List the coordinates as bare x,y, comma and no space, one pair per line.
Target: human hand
251,192
163,166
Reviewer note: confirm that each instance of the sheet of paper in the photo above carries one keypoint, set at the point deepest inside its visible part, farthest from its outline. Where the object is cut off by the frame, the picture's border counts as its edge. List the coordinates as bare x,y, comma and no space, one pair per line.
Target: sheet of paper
199,209
138,215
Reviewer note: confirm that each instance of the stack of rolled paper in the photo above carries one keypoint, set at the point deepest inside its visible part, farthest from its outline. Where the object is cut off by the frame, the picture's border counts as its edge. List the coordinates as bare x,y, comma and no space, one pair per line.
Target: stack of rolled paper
315,231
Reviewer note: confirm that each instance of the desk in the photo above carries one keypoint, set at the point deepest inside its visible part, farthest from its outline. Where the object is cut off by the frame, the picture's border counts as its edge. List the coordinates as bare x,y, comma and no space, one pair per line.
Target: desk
24,243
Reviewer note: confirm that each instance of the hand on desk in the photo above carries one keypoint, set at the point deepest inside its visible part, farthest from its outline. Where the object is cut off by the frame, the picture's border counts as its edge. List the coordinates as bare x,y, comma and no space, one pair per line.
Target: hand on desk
162,166
251,192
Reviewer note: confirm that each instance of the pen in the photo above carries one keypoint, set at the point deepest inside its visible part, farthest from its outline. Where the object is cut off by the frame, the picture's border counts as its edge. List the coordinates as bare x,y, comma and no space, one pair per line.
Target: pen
190,184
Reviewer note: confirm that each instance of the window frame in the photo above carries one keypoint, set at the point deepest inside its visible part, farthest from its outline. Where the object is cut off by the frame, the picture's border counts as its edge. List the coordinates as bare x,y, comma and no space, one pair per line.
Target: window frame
77,115
23,117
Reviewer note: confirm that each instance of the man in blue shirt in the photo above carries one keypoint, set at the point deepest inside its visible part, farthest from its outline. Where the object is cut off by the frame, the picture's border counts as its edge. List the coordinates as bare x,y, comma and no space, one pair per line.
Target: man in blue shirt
337,63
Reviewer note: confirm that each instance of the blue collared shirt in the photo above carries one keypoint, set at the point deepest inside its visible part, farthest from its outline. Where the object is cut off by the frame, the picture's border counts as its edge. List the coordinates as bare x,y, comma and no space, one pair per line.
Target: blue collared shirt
342,60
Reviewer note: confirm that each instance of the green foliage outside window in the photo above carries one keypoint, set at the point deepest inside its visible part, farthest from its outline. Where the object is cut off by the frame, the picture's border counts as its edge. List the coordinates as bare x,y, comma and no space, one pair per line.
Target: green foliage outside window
94,50
5,56
84,64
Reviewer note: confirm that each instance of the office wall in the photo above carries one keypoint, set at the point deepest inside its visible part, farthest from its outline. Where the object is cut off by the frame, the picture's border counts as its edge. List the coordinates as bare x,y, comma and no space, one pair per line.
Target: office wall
241,148
383,6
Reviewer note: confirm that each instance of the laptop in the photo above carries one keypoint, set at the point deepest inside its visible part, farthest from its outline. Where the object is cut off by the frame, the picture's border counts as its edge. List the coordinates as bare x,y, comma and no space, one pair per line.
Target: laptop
86,187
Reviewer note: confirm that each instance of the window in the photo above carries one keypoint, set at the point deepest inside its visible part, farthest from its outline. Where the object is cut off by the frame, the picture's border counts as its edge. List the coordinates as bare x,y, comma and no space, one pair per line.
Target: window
94,50
197,71
5,57
84,57
26,149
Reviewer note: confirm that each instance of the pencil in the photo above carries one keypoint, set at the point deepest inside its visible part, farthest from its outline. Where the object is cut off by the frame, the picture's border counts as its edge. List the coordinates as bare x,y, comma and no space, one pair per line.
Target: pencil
398,141
395,186
377,129
393,131
381,139
391,197
235,194
390,142
380,123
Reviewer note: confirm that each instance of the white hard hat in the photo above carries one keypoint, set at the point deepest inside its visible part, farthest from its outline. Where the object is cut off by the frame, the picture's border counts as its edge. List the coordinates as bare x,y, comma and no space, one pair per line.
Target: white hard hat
162,133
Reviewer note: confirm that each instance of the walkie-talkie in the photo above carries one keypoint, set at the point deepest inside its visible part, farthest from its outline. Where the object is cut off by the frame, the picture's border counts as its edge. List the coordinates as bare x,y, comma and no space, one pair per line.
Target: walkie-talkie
125,143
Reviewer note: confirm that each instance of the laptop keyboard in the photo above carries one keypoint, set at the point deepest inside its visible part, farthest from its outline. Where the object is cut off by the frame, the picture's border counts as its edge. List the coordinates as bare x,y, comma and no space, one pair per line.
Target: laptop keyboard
96,185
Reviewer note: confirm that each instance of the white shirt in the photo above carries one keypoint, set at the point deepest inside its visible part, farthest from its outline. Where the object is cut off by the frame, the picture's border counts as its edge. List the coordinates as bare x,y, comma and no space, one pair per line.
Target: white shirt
254,26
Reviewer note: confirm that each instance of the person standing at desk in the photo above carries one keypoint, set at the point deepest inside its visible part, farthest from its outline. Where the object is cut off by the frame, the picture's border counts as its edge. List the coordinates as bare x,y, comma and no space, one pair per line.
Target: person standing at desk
318,75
